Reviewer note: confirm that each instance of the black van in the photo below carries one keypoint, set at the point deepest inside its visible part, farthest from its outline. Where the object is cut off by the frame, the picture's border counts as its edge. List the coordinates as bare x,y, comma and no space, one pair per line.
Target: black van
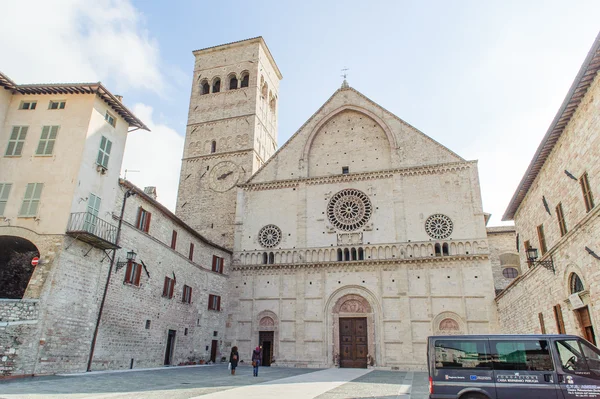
512,367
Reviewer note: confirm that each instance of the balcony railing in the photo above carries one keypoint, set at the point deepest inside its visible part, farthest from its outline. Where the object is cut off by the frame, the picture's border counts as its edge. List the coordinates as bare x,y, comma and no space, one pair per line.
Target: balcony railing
89,228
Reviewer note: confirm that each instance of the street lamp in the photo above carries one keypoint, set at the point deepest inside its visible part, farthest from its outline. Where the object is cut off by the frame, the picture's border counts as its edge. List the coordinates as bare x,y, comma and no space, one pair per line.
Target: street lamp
130,258
532,255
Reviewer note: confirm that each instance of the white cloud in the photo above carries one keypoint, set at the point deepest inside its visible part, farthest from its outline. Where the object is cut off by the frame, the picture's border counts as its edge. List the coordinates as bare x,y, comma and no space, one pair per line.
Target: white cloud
79,40
157,156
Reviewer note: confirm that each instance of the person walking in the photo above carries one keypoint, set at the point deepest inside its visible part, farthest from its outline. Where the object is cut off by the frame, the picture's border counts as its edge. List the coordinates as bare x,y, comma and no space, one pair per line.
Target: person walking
256,359
234,358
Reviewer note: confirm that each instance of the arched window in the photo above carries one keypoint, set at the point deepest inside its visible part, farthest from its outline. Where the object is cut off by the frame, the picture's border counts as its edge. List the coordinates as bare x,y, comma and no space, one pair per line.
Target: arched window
510,272
575,284
445,251
213,146
265,258
353,253
271,102
216,85
271,258
205,87
438,250
233,82
346,254
361,254
245,79
340,255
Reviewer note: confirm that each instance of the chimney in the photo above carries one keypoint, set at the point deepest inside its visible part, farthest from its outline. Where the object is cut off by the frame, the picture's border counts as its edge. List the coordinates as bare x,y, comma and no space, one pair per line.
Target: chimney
119,97
150,191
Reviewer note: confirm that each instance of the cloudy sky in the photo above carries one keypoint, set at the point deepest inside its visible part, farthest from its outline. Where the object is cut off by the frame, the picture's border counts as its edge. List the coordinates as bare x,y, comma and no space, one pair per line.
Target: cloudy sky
483,78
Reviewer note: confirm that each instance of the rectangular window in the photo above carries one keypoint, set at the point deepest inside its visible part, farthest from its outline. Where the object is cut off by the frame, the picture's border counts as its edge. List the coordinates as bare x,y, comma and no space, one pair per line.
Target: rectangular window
31,201
191,255
218,264
214,302
57,105
47,140
462,354
187,294
542,325
143,220
104,152
133,273
542,239
174,239
16,141
110,119
561,219
27,104
527,355
168,287
587,192
345,170
4,192
560,324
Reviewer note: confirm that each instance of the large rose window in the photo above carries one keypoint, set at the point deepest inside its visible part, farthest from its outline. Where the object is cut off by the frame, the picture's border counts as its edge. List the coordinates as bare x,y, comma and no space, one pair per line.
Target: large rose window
349,209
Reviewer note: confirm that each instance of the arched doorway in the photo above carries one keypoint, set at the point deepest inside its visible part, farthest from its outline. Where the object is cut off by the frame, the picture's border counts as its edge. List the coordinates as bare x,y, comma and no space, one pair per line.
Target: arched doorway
16,254
582,312
352,319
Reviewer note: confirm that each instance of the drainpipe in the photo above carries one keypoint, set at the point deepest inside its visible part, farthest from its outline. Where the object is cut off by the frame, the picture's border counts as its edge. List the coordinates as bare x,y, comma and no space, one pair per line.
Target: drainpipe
127,194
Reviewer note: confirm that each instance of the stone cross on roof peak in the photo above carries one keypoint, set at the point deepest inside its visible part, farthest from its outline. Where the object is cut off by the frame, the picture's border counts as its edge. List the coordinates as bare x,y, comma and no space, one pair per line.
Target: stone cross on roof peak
344,75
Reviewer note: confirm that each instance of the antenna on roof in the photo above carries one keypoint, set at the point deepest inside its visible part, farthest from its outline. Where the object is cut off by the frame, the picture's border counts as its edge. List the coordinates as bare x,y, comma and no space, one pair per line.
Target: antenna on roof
128,170
344,75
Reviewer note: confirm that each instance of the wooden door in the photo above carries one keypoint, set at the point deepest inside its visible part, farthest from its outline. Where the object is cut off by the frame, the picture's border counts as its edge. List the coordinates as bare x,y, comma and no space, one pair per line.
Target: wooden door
353,342
213,351
265,341
170,347
585,322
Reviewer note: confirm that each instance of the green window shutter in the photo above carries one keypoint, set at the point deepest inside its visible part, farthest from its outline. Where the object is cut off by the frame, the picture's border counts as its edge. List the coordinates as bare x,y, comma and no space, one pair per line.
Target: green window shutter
16,141
4,192
31,201
104,152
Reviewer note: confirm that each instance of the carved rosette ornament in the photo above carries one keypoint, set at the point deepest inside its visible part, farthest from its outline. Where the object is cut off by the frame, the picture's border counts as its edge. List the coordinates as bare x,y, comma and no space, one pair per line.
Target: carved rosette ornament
439,226
269,236
449,325
349,209
267,322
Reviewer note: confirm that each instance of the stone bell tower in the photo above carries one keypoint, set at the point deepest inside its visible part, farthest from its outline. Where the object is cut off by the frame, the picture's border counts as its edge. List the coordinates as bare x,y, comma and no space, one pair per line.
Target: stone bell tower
231,132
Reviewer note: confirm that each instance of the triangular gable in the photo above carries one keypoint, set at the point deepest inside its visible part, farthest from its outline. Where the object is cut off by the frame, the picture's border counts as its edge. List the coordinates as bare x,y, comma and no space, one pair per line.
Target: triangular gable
409,146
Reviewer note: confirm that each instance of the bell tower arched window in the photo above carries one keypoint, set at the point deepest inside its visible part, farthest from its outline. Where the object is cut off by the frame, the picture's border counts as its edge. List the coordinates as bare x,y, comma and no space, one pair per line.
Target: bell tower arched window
213,146
216,85
204,87
233,82
245,79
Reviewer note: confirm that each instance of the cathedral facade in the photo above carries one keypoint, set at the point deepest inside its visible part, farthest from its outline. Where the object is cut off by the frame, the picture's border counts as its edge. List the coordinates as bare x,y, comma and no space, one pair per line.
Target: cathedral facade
352,242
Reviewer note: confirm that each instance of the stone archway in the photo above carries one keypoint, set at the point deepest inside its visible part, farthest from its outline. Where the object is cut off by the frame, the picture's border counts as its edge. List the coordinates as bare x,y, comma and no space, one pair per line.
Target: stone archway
16,254
267,329
350,303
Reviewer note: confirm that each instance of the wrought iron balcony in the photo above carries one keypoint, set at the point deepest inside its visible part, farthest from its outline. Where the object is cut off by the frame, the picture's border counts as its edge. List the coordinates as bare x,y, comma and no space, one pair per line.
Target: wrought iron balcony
89,228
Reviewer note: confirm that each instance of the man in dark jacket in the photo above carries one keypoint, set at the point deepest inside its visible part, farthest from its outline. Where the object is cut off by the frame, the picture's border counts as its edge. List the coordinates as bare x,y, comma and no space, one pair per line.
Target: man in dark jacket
256,359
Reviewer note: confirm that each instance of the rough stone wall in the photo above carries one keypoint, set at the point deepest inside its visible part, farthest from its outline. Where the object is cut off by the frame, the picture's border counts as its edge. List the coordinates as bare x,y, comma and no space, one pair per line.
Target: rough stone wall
538,290
502,241
123,335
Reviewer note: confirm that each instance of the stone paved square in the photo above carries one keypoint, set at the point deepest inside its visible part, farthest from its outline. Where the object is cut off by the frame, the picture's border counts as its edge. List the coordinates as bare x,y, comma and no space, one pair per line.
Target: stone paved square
215,382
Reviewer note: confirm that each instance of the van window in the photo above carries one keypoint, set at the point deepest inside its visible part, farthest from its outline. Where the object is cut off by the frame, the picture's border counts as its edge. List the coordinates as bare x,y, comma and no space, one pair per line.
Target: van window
521,355
462,354
570,355
576,358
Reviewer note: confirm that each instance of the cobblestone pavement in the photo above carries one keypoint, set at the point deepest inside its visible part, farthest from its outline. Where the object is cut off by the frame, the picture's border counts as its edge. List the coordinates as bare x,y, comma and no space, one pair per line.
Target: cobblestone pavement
215,382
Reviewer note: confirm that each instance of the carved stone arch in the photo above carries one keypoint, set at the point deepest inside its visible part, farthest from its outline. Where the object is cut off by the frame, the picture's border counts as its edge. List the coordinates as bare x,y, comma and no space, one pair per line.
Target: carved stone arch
449,323
267,321
360,302
324,120
568,275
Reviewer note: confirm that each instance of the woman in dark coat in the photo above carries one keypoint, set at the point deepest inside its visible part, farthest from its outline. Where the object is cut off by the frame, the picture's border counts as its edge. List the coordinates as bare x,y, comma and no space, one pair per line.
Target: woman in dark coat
256,359
234,358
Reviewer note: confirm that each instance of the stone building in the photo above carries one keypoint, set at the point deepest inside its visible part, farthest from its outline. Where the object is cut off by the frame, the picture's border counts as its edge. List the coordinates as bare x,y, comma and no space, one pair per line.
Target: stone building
61,151
506,264
555,209
352,243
